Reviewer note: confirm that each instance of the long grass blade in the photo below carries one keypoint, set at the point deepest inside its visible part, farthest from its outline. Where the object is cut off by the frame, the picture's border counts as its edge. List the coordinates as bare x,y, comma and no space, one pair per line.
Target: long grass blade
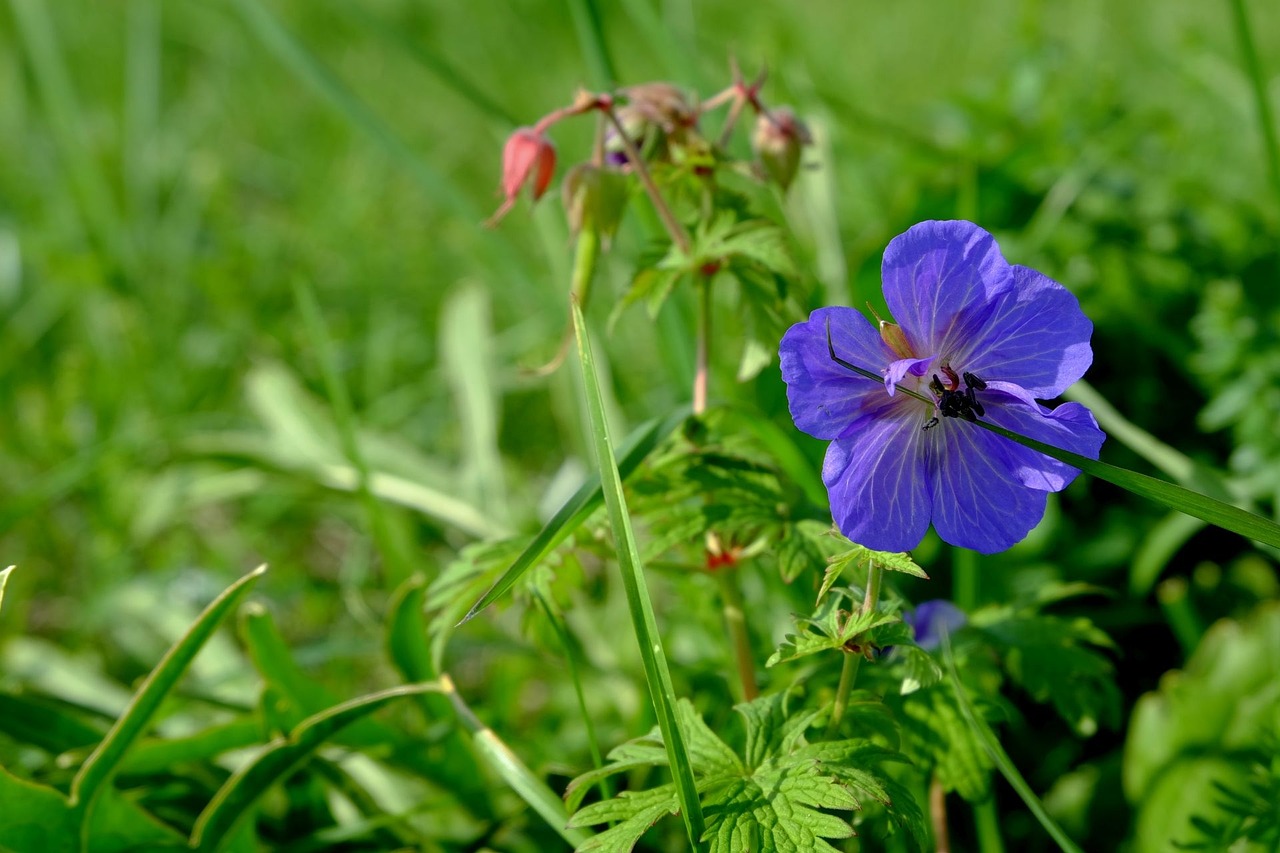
98,768
585,501
513,771
1184,500
657,673
1001,758
98,208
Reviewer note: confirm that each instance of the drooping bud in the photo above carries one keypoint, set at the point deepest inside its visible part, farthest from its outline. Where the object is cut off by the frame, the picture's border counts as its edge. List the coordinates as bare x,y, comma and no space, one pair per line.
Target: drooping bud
527,158
661,104
594,198
777,141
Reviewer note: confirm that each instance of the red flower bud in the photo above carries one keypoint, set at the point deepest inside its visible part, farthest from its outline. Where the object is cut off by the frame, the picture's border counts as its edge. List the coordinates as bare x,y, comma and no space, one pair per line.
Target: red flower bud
527,157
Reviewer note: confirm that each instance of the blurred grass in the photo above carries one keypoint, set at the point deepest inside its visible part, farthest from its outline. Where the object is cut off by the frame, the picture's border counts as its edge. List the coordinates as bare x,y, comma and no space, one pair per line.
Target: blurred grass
168,171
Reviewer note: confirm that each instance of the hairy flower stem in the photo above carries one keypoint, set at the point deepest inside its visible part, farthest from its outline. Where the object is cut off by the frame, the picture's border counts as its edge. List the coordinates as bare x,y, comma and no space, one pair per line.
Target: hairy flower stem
938,816
678,235
735,620
702,357
585,260
852,660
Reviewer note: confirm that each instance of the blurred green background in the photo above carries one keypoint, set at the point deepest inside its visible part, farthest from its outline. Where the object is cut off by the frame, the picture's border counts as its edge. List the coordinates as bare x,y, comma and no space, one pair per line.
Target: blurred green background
171,172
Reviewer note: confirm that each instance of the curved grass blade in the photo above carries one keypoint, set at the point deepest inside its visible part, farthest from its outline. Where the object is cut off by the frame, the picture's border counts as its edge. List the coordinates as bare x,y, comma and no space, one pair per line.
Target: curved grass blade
585,501
1001,758
231,805
1184,500
98,768
657,673
513,771
4,579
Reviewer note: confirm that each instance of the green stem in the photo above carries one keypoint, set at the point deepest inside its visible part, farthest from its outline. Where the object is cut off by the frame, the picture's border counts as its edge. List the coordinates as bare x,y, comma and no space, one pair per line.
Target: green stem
852,660
570,648
848,675
986,820
1244,33
678,235
735,621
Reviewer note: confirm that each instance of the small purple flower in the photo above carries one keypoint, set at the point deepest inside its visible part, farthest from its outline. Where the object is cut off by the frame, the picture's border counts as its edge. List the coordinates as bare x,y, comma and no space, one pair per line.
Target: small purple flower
930,618
979,337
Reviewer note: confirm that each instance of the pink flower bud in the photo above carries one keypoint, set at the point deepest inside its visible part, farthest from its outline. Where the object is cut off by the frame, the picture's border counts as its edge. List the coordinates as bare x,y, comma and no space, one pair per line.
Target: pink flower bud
527,158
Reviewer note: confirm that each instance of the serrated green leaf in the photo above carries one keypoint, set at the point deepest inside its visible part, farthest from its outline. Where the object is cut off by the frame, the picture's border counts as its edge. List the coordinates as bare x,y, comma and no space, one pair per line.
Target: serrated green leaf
832,627
636,812
776,797
1052,660
919,668
936,735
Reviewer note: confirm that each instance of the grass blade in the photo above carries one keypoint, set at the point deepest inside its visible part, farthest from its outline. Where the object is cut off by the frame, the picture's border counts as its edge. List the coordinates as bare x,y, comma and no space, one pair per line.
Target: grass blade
98,768
311,71
4,579
657,673
1184,500
1001,758
513,771
98,208
394,554
585,501
231,805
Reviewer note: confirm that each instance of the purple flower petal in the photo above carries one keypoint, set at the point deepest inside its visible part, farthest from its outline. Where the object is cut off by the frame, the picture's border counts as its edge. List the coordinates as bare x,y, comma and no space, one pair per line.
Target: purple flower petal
1036,337
940,282
930,618
879,496
979,501
900,368
826,399
1070,426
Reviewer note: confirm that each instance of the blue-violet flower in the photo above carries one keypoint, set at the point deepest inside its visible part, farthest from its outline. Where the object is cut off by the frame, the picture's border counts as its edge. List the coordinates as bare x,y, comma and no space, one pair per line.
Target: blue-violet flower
931,618
980,338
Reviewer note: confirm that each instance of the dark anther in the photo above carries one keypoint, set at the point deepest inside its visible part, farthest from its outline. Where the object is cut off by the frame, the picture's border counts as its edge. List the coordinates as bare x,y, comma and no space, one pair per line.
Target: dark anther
954,403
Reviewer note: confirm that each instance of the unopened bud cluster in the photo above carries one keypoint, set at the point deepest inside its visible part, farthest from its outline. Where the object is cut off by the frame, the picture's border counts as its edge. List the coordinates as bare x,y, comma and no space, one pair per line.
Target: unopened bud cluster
645,126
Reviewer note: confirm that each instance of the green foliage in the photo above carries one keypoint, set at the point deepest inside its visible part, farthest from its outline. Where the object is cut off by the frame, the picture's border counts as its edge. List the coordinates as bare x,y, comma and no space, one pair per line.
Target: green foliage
775,794
1201,734
173,416
1247,814
832,627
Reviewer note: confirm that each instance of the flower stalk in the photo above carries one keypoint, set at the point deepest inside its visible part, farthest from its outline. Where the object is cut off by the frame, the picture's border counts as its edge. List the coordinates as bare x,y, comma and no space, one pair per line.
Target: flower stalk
736,622
852,660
